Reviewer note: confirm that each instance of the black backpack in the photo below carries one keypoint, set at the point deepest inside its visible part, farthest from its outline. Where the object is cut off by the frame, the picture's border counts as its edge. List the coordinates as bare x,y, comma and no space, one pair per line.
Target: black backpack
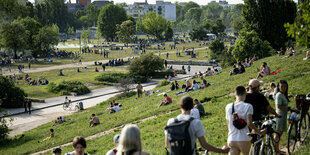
178,137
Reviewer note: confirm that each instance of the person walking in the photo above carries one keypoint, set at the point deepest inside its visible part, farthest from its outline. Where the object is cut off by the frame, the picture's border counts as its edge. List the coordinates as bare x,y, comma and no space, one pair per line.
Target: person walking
139,89
189,68
29,105
238,140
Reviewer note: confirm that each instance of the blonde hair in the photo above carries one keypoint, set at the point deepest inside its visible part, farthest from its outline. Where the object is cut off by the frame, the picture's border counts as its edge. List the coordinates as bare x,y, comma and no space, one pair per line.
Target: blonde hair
129,140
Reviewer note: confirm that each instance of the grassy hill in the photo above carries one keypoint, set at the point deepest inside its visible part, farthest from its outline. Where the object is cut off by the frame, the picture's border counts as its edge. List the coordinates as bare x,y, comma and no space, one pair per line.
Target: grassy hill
293,69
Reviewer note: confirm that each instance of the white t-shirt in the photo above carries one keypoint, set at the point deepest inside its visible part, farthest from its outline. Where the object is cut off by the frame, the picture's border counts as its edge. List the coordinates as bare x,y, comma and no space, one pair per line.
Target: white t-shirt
196,128
117,108
195,113
243,109
196,86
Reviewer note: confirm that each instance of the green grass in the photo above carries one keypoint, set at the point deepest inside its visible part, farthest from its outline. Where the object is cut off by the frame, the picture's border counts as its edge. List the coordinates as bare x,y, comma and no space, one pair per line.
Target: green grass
152,130
86,76
202,54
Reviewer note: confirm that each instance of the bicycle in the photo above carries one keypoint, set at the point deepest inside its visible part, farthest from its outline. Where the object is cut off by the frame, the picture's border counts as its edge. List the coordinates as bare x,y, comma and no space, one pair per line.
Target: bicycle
200,149
264,145
299,125
69,105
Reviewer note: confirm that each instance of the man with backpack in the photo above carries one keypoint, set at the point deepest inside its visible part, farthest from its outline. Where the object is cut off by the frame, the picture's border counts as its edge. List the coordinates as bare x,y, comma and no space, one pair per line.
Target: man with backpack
182,132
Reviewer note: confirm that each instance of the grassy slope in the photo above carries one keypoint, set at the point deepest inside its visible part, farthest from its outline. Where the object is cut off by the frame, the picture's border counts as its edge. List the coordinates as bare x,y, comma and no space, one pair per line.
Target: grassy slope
86,76
152,130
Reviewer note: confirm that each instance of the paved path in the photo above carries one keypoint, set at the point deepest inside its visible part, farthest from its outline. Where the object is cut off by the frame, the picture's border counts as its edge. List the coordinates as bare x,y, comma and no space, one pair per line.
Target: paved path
72,65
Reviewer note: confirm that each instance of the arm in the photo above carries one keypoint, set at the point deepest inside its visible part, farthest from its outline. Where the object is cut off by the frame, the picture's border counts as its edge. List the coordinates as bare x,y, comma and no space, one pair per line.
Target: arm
282,107
166,142
271,110
210,147
251,125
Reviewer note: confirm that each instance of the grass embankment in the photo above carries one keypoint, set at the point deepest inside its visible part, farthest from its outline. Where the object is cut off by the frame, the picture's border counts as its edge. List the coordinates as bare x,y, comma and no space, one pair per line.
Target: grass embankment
201,55
152,130
86,76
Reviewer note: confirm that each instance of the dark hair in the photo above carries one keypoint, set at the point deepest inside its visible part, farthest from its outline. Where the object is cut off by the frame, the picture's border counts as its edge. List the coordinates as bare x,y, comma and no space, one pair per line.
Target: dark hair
79,140
187,103
165,94
52,130
93,114
273,85
57,150
196,100
240,90
278,89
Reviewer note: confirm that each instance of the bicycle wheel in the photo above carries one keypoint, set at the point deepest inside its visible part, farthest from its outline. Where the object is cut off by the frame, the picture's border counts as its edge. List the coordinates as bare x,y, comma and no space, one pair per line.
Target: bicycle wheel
64,106
70,106
76,108
267,150
304,127
291,138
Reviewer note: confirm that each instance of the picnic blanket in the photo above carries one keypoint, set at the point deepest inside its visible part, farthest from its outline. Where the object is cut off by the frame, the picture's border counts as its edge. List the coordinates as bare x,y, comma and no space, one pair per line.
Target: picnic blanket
276,72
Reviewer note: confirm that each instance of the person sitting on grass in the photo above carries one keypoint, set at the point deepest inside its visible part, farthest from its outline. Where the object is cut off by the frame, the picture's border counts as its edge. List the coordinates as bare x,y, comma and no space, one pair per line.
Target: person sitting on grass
172,86
79,146
235,71
272,94
167,100
50,137
114,150
188,85
94,120
307,56
176,84
264,70
200,107
195,85
96,69
204,82
116,107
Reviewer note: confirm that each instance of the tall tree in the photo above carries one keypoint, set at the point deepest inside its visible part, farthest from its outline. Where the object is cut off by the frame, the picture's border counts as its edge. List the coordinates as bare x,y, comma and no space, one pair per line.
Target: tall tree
300,29
192,17
125,31
109,17
188,6
32,28
267,19
47,37
13,36
154,24
211,11
92,13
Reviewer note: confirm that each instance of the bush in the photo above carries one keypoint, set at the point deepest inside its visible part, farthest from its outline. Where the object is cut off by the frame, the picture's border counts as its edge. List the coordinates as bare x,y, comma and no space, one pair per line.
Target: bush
65,87
162,74
10,95
249,44
111,78
116,77
146,64
163,83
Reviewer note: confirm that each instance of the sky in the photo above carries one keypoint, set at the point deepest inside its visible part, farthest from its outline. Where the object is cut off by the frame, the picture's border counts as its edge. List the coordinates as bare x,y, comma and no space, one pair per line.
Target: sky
200,2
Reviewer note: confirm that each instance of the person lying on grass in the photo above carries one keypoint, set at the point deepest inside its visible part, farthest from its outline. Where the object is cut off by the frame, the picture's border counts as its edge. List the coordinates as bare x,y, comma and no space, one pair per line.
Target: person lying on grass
94,120
48,138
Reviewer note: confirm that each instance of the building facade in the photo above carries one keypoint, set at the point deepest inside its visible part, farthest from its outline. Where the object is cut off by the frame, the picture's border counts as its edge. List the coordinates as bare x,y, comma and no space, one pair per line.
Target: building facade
138,9
102,3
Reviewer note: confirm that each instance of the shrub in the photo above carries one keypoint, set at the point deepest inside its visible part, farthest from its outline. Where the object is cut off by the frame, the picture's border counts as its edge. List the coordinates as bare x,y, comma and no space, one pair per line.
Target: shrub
162,74
249,44
146,64
111,77
65,87
126,84
10,95
163,83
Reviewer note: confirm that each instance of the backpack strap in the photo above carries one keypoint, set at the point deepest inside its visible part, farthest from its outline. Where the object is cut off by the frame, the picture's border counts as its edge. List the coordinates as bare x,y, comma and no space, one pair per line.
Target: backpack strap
233,108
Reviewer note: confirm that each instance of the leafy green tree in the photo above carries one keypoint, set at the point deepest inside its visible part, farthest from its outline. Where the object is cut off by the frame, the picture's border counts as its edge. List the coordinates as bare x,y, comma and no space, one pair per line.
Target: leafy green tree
92,13
237,24
32,28
211,11
10,95
146,64
198,33
154,24
300,29
11,9
109,17
267,18
218,27
13,36
249,44
71,31
169,31
188,6
125,31
192,17
216,46
84,36
47,37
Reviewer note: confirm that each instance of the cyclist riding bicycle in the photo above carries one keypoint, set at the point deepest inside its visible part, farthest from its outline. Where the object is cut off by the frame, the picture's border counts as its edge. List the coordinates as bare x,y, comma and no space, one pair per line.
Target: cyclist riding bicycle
67,101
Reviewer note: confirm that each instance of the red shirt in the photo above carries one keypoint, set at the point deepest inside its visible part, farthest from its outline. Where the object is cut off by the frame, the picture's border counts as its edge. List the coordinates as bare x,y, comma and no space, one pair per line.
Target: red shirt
168,99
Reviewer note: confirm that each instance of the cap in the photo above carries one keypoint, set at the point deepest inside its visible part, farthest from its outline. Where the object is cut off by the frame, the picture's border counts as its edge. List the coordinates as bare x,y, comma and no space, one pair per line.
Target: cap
116,138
